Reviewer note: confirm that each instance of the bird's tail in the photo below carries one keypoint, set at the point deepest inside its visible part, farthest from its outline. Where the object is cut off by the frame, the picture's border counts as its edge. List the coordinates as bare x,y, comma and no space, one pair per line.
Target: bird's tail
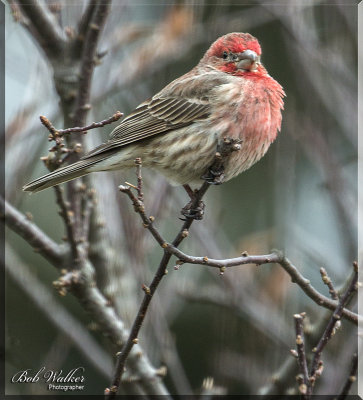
64,174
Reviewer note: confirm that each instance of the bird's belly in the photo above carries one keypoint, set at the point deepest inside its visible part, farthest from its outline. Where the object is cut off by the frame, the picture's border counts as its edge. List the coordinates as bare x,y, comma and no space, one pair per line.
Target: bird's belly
183,155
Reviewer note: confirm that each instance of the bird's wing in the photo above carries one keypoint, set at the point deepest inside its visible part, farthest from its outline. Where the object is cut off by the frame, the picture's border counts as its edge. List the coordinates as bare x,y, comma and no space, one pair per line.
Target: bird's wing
153,117
179,104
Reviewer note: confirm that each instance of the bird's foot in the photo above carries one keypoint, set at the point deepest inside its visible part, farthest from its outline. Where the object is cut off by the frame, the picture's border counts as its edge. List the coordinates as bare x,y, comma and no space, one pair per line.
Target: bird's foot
196,212
214,176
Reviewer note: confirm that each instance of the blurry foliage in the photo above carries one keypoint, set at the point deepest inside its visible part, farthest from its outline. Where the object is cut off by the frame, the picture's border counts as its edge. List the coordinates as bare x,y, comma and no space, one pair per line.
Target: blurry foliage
300,198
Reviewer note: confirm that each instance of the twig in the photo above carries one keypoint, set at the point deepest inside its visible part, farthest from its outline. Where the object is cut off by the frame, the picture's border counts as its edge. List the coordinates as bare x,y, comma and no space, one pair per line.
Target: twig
277,258
140,195
68,218
56,133
95,27
351,378
44,27
281,379
89,202
31,233
113,327
227,148
222,264
327,281
53,131
301,354
308,378
81,105
83,25
329,330
86,292
74,235
149,291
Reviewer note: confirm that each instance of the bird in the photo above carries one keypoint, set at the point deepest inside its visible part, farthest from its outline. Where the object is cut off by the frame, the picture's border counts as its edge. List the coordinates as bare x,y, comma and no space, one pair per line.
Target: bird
176,132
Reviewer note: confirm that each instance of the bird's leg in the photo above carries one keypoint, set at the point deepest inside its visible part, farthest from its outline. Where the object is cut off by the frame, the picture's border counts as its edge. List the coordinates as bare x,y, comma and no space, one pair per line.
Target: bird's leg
189,190
192,212
214,175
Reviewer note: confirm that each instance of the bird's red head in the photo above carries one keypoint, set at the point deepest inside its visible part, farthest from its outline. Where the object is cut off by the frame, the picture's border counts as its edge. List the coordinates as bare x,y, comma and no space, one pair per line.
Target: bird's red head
235,53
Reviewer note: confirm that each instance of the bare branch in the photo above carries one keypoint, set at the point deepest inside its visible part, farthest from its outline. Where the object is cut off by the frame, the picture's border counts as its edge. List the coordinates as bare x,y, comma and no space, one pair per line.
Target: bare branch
225,149
30,232
327,281
84,288
68,218
330,328
60,132
277,258
83,25
301,354
351,378
140,195
89,203
87,62
93,301
44,28
82,100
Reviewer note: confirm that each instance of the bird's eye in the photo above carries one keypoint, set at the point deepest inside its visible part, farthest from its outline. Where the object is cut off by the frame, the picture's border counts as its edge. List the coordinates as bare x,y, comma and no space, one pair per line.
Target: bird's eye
225,55
235,57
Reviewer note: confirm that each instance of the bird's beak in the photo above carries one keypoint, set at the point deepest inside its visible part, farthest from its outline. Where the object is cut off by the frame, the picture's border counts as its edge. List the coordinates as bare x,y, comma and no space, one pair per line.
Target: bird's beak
248,60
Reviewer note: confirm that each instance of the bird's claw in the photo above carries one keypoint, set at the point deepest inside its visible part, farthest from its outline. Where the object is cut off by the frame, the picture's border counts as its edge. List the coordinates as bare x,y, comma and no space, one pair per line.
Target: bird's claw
214,176
196,213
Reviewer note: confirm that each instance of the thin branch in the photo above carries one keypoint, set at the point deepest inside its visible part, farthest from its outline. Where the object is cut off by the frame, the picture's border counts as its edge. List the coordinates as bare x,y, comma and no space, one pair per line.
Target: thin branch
277,258
66,212
222,264
351,378
329,330
82,27
87,62
281,379
85,290
44,27
60,132
30,232
140,195
224,150
301,354
81,105
149,291
89,203
327,281
93,301
68,217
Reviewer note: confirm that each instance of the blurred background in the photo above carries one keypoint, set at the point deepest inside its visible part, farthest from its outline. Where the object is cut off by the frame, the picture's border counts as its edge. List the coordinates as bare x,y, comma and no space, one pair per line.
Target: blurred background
300,198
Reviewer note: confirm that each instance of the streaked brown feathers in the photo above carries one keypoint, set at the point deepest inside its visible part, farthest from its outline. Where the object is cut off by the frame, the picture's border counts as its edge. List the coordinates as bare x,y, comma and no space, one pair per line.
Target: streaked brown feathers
156,116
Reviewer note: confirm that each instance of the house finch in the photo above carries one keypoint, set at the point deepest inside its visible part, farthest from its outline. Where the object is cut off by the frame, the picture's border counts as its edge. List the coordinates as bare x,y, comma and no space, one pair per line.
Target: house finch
177,131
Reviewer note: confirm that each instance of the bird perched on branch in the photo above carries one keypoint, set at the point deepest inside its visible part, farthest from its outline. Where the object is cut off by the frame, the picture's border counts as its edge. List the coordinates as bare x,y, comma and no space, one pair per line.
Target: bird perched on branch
177,131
